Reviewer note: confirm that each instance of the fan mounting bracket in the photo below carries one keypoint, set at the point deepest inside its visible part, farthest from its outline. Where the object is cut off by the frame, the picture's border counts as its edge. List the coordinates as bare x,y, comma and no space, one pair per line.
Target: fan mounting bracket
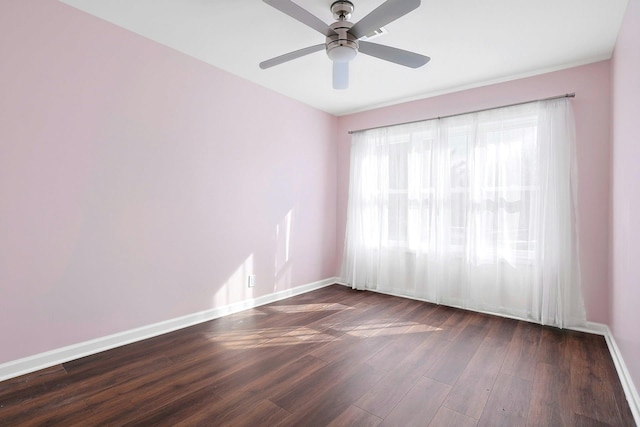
342,10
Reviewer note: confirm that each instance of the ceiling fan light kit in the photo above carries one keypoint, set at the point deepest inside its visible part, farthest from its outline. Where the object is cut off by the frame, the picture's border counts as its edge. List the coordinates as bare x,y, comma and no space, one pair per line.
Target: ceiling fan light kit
343,38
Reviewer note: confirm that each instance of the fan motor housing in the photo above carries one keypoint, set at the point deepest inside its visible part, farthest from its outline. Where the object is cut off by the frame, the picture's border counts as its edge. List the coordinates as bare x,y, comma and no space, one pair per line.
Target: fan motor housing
338,44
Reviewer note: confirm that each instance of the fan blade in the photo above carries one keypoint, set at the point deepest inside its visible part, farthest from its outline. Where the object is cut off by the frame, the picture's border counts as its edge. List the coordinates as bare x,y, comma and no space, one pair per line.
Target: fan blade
387,12
296,12
392,54
290,56
340,75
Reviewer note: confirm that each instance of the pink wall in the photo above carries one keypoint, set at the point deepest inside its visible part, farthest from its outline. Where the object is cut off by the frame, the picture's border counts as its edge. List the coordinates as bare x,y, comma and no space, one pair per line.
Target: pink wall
592,111
138,184
625,265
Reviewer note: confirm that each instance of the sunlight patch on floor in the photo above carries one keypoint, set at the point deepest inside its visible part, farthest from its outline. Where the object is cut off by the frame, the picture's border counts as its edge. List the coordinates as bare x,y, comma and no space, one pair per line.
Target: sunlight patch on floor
249,338
387,329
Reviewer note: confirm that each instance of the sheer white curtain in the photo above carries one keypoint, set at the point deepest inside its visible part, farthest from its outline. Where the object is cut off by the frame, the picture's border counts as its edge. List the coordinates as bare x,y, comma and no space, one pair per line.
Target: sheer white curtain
475,211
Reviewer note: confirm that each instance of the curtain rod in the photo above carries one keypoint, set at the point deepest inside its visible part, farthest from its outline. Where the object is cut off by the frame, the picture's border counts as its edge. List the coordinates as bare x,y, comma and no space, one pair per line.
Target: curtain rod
566,95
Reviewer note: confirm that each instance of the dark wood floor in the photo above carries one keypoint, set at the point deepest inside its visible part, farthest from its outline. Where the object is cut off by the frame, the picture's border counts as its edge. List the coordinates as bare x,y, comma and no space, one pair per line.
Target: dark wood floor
334,357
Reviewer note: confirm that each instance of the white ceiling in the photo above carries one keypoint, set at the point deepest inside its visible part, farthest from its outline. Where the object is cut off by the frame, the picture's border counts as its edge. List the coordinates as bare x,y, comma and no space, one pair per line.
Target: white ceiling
471,43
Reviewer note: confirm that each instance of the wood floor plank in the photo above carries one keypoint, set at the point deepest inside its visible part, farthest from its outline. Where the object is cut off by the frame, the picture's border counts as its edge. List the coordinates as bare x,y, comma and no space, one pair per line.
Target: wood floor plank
396,383
41,380
455,323
508,404
552,347
180,409
502,328
73,413
48,402
523,351
426,323
336,325
350,348
334,356
550,395
162,386
424,313
322,405
255,367
446,417
320,383
23,389
97,364
419,405
471,392
406,339
128,401
383,320
458,355
441,314
276,382
210,407
584,421
224,375
355,417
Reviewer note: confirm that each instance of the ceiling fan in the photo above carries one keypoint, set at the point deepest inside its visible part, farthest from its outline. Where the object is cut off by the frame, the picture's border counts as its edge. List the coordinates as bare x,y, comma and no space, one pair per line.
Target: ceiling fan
343,38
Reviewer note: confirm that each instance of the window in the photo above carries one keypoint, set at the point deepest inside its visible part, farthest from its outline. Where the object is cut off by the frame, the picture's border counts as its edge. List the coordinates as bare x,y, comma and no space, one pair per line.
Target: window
469,205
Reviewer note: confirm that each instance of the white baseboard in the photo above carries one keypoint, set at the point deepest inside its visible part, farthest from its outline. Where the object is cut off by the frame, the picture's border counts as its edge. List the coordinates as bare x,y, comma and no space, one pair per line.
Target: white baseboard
36,362
630,390
592,328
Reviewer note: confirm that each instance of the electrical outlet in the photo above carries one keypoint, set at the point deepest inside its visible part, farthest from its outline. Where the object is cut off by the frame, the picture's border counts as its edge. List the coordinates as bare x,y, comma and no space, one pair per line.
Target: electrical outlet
251,280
